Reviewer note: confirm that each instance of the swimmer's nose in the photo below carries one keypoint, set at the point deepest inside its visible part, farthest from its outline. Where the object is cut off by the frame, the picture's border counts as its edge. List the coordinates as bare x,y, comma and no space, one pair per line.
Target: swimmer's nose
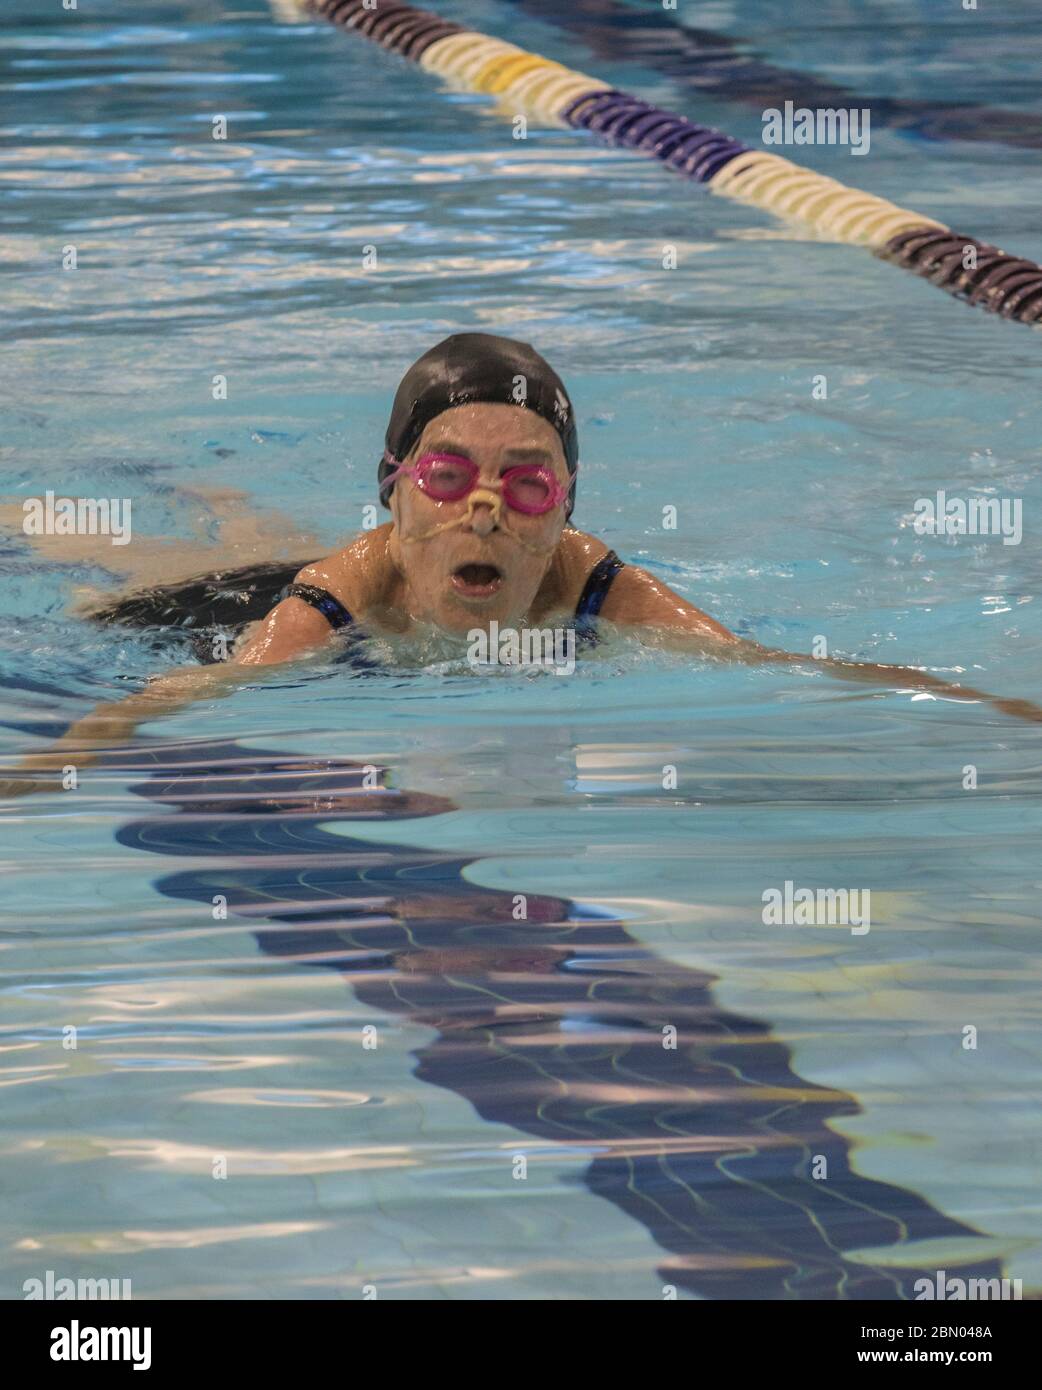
482,519
483,512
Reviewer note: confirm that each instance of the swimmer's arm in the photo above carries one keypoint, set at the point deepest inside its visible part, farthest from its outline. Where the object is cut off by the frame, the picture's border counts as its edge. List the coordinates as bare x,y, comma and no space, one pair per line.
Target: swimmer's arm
638,599
290,630
880,674
294,627
109,725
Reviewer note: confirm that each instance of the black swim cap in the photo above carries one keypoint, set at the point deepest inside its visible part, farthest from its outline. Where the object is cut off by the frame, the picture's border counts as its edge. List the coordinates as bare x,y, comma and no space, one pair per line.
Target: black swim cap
477,367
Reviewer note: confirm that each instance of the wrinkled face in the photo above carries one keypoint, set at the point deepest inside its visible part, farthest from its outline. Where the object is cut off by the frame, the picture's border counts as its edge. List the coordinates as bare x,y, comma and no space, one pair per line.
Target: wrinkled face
470,573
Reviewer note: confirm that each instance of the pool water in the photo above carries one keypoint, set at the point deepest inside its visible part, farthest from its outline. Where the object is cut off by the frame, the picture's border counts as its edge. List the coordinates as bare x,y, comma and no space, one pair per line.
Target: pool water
318,1052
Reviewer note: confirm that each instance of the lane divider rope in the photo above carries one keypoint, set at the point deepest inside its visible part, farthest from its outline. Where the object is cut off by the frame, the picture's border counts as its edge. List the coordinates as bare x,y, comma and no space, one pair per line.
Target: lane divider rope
522,81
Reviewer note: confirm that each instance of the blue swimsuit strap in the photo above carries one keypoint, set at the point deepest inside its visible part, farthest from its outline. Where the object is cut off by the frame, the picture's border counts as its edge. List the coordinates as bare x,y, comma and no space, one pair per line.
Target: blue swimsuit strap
334,612
602,576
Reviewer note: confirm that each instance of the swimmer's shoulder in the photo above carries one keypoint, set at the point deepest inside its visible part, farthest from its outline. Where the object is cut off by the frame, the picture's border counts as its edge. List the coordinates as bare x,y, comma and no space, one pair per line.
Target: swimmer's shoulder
359,576
635,597
577,554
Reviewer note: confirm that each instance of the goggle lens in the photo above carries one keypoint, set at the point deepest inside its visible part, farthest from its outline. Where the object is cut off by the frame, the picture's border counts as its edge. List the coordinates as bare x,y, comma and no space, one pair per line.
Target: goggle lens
445,477
529,489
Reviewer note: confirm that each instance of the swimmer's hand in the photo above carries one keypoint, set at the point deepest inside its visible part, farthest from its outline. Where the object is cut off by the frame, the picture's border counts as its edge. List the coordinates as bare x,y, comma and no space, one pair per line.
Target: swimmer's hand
291,630
56,759
1017,709
109,726
10,787
899,677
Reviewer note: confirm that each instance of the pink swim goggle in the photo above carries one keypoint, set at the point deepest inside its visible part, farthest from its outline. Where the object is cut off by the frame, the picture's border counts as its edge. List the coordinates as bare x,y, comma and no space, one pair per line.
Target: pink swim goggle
530,488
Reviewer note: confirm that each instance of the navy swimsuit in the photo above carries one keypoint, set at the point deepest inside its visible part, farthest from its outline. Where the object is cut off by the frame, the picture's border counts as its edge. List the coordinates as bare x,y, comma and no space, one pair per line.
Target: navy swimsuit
222,604
595,591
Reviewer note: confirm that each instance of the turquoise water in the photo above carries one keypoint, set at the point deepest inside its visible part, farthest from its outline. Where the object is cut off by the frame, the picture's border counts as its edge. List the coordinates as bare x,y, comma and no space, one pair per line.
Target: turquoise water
203,1039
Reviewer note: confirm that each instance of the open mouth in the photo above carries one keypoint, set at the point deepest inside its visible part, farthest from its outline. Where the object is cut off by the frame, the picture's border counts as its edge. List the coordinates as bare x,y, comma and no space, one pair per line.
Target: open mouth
477,581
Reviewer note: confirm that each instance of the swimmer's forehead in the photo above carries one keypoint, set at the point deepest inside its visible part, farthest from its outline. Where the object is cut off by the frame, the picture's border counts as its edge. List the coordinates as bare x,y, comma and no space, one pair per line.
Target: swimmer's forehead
493,432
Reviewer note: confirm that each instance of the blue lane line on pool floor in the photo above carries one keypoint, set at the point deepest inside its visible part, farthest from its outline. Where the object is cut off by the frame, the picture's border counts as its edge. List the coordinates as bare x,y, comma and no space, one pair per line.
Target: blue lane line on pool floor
707,1146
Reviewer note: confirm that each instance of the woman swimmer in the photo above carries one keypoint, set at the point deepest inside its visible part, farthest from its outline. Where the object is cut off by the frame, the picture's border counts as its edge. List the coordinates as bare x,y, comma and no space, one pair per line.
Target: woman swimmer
479,473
